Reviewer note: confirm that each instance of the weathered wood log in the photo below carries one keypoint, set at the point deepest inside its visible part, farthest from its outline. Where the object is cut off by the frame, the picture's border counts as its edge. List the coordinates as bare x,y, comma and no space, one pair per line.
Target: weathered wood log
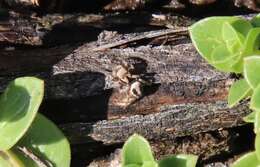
181,95
121,5
184,89
180,88
217,146
180,120
19,3
250,4
56,29
18,28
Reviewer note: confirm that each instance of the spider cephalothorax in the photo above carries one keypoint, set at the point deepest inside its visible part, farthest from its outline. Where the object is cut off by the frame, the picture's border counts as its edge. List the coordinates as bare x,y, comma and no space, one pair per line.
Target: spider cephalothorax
130,75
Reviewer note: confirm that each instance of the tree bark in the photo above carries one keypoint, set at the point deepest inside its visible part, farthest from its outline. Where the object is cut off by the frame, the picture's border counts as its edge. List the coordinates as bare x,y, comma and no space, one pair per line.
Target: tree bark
215,149
57,29
184,89
125,5
178,94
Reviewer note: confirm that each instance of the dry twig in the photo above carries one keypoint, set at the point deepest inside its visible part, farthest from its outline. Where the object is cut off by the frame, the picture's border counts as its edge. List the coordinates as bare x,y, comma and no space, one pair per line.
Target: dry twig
39,161
141,37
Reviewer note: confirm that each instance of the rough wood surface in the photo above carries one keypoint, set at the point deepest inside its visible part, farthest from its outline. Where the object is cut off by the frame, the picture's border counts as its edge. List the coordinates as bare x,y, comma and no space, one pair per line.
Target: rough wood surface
175,121
181,95
184,89
55,29
124,5
184,95
208,146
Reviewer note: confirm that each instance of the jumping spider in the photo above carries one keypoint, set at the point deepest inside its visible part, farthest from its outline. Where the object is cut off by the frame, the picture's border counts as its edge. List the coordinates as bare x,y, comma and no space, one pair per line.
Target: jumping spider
130,69
122,73
131,92
130,75
35,2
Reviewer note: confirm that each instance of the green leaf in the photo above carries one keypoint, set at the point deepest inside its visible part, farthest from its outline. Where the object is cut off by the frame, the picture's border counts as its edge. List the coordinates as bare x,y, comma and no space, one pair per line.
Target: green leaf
181,160
248,160
250,118
45,140
242,26
257,122
136,150
206,35
244,29
251,68
257,146
234,64
132,165
222,59
220,54
254,103
239,90
252,42
150,164
18,107
238,65
256,21
8,159
233,39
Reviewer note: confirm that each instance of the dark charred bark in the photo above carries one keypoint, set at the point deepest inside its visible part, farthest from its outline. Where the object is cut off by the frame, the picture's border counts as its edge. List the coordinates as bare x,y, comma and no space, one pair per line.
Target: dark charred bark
178,94
51,30
128,5
183,89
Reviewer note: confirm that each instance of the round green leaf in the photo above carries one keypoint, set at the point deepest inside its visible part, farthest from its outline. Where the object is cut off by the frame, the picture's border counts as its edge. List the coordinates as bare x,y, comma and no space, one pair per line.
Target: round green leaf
237,65
181,160
136,150
248,160
46,141
242,26
18,107
251,70
233,39
220,54
8,159
206,34
254,103
224,61
252,42
239,90
230,64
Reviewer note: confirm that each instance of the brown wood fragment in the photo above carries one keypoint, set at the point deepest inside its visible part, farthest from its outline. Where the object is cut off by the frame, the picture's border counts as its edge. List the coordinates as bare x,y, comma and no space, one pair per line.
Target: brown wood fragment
202,2
21,3
186,96
250,4
180,32
184,89
117,5
55,29
207,146
180,120
125,5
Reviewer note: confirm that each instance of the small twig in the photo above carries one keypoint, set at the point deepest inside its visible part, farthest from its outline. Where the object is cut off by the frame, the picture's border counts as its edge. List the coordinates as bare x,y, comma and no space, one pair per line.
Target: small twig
39,161
142,37
166,39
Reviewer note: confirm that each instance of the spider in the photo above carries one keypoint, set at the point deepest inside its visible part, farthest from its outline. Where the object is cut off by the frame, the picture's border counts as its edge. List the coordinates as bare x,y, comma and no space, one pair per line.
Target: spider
129,70
122,73
35,2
